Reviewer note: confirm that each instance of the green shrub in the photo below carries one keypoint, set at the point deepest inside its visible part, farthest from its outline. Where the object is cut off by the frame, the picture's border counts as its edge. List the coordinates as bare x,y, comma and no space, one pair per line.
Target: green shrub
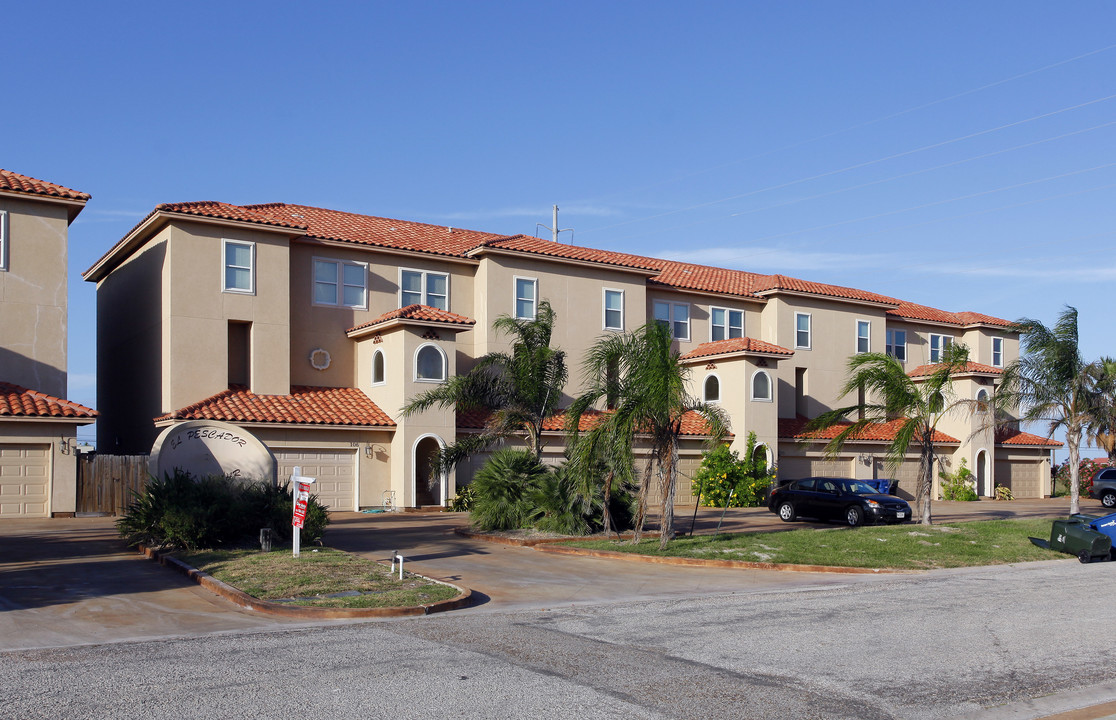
1004,493
960,485
556,506
725,478
1087,471
213,511
463,501
501,488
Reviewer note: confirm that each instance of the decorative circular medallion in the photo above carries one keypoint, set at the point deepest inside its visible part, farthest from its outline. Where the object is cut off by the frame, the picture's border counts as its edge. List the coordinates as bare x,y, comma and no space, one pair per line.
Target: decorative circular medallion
319,358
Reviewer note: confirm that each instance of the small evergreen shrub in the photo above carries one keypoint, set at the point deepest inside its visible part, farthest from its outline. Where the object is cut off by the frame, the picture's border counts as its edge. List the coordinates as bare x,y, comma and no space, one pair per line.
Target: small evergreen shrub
501,489
960,485
463,501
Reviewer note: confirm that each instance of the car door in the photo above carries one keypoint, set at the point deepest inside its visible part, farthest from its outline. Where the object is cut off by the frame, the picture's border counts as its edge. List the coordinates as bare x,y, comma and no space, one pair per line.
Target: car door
828,498
806,497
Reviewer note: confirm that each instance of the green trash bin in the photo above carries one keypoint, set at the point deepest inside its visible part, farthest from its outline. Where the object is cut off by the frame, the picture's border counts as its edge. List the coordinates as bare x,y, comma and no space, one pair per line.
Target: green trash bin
1075,537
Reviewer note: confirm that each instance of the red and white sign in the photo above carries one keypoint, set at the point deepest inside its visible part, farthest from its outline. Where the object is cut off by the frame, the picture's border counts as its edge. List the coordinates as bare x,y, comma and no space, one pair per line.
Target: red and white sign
302,496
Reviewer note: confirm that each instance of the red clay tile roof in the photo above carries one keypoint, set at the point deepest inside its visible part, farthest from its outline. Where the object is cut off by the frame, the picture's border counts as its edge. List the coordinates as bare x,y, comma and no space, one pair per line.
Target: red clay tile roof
225,211
1007,436
17,401
538,246
883,432
693,424
417,312
736,345
970,367
14,182
774,283
687,276
306,405
914,311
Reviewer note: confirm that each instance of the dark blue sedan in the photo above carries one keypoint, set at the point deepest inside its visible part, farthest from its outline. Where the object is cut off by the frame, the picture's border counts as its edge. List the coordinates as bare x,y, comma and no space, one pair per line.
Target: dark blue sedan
843,499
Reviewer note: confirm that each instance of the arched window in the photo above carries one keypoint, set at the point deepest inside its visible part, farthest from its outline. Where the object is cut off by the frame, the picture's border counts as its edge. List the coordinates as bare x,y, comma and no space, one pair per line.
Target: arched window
761,386
712,392
378,367
761,456
430,364
982,400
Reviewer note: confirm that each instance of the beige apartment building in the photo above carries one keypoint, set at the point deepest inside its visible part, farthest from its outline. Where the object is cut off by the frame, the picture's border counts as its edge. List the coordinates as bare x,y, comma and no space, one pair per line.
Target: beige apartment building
38,427
311,328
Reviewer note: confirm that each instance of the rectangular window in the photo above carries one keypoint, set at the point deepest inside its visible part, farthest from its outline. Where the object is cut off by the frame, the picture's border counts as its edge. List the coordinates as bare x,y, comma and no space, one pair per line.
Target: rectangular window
938,345
613,309
526,298
863,336
3,239
340,283
897,344
725,324
802,330
676,316
239,266
997,352
418,287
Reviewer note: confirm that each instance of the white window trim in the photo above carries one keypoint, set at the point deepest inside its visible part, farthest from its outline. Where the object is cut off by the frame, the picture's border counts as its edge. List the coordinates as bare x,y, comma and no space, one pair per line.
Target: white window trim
604,309
372,368
856,339
1001,342
515,297
672,305
893,345
4,241
251,267
809,331
339,266
770,387
424,291
445,364
728,321
720,389
941,350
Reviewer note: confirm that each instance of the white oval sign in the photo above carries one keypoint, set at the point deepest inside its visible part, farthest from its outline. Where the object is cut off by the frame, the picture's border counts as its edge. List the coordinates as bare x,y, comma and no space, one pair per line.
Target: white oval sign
211,447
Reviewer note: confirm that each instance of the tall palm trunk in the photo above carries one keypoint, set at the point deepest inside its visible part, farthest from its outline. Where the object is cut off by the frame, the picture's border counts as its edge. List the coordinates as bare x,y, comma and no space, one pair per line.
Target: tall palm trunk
925,479
670,477
606,516
1073,441
641,508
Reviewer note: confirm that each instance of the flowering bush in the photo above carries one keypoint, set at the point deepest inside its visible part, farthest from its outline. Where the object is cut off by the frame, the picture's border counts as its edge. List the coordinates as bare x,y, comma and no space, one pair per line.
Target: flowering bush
1003,492
960,485
722,472
1087,470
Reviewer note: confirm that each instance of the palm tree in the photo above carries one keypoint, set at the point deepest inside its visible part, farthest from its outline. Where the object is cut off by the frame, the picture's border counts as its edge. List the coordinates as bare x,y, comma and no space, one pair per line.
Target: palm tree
519,390
916,405
1051,383
1103,427
641,378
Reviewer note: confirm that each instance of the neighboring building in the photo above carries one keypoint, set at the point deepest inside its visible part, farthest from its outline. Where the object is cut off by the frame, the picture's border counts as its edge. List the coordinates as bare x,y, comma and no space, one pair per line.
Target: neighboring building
38,429
312,327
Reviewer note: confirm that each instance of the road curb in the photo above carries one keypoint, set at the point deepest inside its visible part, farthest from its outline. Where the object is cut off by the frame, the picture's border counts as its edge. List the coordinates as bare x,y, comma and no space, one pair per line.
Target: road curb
267,607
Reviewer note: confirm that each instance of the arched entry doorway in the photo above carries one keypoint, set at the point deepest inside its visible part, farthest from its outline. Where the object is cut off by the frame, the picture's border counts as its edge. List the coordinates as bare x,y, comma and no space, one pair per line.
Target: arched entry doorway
982,475
428,481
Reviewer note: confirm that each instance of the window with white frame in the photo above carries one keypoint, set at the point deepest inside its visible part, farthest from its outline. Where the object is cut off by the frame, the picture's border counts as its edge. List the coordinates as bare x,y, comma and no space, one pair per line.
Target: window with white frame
725,324
430,364
802,330
378,367
676,316
419,287
3,239
997,352
863,336
938,345
239,266
526,298
761,386
897,344
340,283
613,309
712,389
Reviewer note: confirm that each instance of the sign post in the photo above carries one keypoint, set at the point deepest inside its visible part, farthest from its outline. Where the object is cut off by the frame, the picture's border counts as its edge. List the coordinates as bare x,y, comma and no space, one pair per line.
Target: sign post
300,494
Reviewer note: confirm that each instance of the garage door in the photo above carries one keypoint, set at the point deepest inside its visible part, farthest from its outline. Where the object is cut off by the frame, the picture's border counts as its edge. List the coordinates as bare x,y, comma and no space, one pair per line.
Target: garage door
24,481
1024,477
794,467
906,474
334,472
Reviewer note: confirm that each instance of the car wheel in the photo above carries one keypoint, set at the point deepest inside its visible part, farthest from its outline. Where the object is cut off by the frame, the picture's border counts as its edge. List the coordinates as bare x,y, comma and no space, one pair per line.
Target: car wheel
854,516
786,512
1084,557
1108,498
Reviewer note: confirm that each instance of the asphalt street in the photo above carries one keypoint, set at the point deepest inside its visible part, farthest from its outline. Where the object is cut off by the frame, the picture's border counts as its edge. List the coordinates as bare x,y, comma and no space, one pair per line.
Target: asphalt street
936,645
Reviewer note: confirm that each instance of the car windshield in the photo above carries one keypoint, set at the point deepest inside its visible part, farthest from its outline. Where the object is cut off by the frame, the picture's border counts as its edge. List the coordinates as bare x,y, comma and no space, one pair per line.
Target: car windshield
858,488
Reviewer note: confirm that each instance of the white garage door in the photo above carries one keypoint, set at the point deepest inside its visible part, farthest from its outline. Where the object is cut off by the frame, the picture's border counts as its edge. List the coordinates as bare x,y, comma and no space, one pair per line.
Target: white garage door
24,480
794,467
334,472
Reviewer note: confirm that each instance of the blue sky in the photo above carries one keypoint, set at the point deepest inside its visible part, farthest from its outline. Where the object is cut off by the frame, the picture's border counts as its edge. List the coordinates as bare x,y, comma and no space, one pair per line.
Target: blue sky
955,154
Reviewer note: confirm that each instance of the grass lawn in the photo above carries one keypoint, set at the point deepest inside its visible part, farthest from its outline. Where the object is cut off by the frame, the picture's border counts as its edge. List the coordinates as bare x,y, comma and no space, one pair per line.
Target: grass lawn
316,575
909,546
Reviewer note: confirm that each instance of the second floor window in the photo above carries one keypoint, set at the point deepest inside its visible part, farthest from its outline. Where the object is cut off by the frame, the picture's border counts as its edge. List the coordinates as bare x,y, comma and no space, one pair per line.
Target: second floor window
339,283
526,298
418,287
725,324
676,316
614,309
802,330
938,345
897,344
997,352
3,239
239,264
863,336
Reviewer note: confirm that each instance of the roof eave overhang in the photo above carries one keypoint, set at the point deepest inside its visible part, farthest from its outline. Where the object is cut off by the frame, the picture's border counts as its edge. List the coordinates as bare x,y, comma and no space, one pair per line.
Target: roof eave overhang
506,252
400,322
734,355
859,442
372,247
73,205
49,419
832,298
659,285
306,426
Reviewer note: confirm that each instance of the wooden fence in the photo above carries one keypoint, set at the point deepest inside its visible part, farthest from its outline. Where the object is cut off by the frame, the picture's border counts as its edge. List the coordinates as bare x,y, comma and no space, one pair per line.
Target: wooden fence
105,482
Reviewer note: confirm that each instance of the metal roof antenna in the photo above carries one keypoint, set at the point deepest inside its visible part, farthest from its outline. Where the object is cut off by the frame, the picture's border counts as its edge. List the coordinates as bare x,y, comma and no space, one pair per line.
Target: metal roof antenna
554,230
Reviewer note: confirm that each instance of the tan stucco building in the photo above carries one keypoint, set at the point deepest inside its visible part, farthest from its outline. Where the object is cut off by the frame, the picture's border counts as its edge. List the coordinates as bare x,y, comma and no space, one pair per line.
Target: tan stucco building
38,427
312,328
